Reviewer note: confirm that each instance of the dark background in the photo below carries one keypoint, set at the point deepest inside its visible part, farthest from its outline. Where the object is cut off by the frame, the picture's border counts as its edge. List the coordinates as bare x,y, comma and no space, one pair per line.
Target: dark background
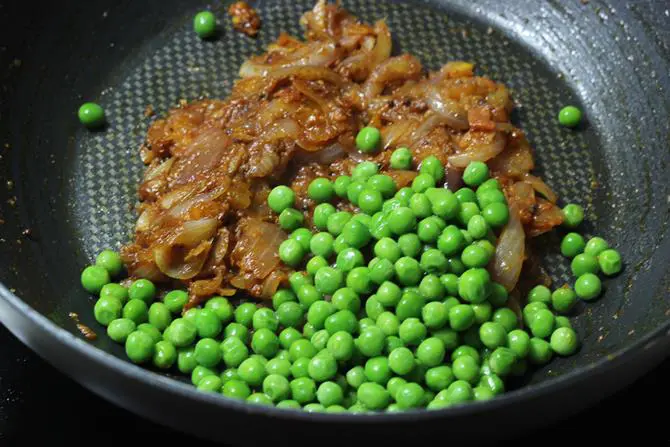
38,402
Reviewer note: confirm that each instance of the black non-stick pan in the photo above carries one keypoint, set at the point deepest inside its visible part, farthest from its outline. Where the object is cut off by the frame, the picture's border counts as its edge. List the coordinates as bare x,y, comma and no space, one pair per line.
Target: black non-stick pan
66,193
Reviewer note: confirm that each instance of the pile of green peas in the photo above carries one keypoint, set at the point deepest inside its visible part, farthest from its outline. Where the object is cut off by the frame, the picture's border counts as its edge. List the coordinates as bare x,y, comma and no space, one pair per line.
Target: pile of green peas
388,309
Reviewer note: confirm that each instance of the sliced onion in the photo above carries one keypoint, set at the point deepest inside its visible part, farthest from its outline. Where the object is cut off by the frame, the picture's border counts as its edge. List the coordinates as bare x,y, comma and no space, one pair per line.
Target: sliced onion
308,73
185,254
453,113
158,170
202,155
480,152
427,126
509,255
397,68
397,133
453,177
315,54
540,187
383,44
257,246
325,156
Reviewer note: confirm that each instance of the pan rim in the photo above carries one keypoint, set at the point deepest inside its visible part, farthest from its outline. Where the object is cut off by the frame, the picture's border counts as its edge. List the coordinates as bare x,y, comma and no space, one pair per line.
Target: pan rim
159,381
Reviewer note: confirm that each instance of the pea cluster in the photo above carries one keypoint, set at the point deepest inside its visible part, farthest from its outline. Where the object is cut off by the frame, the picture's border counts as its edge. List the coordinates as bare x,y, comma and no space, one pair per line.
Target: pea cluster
390,308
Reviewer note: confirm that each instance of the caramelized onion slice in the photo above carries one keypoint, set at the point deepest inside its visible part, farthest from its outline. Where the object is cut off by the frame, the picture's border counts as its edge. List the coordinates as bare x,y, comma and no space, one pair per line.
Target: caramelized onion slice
480,152
510,252
185,254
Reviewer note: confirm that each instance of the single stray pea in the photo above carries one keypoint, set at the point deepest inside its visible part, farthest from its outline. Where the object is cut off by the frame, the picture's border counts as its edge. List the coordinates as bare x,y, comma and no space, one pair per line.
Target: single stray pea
204,24
91,115
401,158
573,215
610,262
569,116
367,139
588,286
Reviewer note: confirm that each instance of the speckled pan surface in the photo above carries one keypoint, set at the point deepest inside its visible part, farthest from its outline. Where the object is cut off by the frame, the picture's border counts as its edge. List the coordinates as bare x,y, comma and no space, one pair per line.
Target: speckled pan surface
75,190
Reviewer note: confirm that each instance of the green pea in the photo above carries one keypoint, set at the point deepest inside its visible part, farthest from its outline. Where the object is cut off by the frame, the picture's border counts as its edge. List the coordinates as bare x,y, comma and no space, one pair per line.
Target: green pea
401,158
358,281
439,378
429,229
308,330
373,396
422,182
322,367
435,315
113,290
91,115
382,183
573,215
475,173
280,198
94,278
303,236
299,368
276,387
204,24
237,330
314,264
370,342
278,366
280,297
584,263
496,214
234,351
409,244
432,166
412,331
356,234
408,271
569,116
299,279
368,139
142,289
289,404
259,399
475,256
379,227
588,287
564,341
420,205
444,203
303,390
404,196
542,323
120,328
354,191
364,170
139,347
291,252
320,190
136,310
107,310
562,321
563,299
539,351
159,316
264,342
455,265
110,261
465,350
411,305
572,245
208,323
329,394
610,262
458,392
252,371
595,246
348,259
474,285
236,389
433,261
466,195
493,383
465,368
461,317
401,220
451,241
409,395
165,355
341,184
186,361
430,352
181,333
370,201
175,300
290,219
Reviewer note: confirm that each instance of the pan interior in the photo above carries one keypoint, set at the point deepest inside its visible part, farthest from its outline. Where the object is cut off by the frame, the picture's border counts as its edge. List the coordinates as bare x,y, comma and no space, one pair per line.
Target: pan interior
80,197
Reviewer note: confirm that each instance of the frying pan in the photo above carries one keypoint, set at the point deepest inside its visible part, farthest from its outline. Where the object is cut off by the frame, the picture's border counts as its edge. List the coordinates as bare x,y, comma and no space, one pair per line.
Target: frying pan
67,193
